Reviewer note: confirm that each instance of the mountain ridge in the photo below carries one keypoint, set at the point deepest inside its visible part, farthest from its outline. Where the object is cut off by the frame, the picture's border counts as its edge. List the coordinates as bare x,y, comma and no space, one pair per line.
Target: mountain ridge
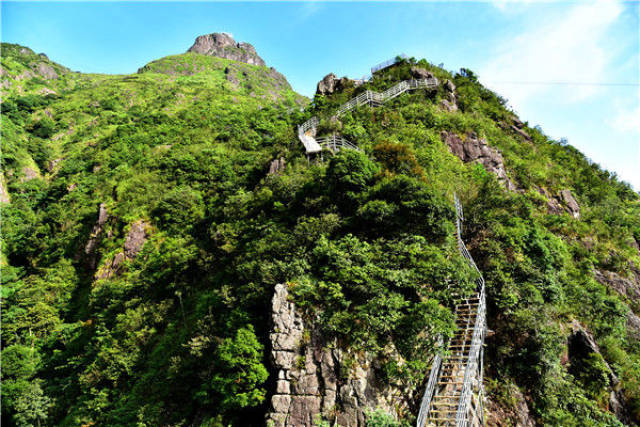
152,223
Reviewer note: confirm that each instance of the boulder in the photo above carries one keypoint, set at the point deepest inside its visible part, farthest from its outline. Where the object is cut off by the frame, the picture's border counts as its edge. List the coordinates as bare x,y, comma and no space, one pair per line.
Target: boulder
421,73
223,45
570,202
332,84
449,86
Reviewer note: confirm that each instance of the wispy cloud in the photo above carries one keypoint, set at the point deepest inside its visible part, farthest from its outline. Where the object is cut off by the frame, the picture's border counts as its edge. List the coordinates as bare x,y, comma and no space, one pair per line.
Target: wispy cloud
567,48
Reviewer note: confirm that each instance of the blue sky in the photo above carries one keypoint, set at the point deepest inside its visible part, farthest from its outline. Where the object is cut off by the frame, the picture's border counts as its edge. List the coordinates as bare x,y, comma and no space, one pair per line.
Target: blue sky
526,50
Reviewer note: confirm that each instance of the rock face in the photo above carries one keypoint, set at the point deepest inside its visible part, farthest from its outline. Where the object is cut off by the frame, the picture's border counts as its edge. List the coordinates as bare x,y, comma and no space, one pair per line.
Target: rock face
449,102
223,45
308,384
580,345
136,238
563,202
332,84
515,417
474,149
46,71
277,166
92,242
628,287
4,194
570,202
420,73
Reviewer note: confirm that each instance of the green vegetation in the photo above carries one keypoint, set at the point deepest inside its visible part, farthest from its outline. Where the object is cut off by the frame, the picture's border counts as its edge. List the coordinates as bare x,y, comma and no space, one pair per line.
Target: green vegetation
178,334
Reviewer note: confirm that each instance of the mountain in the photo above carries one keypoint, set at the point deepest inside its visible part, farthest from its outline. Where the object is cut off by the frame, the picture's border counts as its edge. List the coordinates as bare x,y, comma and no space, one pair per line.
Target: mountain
172,256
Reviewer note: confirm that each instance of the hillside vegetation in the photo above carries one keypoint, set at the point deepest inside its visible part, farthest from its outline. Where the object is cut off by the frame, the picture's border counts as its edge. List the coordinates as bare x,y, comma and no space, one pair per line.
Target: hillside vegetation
143,234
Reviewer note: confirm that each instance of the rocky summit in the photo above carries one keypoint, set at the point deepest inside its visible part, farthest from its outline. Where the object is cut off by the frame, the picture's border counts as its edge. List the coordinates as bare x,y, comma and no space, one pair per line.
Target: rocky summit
223,45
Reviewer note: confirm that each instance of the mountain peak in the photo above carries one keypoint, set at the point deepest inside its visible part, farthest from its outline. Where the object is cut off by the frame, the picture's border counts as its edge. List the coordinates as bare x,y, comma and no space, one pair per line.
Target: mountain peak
223,45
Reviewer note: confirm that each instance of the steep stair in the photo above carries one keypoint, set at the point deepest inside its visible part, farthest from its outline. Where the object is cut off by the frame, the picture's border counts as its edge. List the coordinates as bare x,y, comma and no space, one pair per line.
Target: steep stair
454,394
307,130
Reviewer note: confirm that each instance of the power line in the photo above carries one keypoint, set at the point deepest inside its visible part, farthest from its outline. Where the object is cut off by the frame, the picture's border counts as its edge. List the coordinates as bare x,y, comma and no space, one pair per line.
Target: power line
565,83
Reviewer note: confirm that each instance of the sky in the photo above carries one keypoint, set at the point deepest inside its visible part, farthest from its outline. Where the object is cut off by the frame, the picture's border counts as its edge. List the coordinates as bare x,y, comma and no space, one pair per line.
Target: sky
572,67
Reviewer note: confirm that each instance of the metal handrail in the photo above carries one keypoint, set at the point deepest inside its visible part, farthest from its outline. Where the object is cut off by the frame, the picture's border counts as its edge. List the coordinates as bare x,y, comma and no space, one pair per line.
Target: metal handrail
430,389
473,364
371,98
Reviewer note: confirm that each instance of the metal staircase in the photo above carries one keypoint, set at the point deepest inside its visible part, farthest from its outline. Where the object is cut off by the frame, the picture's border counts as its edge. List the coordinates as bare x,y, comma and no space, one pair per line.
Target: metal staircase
307,130
454,394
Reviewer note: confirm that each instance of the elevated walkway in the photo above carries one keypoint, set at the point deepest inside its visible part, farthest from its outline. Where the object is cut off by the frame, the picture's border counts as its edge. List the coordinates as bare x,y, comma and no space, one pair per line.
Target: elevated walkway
307,130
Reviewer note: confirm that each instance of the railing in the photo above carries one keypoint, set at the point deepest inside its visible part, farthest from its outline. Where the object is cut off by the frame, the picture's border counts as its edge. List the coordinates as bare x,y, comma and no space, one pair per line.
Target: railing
367,97
387,63
425,406
473,364
336,143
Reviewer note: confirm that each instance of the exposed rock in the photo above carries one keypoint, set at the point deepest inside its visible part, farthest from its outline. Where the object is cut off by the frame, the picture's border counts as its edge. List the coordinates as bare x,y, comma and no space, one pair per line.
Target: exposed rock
29,174
25,51
4,194
519,416
92,242
46,71
580,345
223,45
307,384
450,101
559,204
449,86
474,149
628,287
71,187
633,324
420,73
25,75
332,84
276,166
521,132
51,164
570,202
46,91
136,237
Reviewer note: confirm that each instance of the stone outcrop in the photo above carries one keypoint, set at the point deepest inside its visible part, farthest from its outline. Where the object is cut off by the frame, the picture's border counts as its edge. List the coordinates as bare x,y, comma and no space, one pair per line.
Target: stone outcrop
449,102
135,239
518,416
570,202
580,345
29,174
332,84
46,71
563,202
628,287
277,166
474,149
309,384
421,73
223,45
89,248
4,194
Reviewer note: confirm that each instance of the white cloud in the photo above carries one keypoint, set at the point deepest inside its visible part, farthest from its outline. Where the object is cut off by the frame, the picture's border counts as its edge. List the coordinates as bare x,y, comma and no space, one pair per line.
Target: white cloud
567,48
627,121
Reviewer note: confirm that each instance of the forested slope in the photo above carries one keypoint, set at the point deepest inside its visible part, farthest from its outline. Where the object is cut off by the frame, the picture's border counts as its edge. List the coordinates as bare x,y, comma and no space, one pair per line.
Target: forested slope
145,226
